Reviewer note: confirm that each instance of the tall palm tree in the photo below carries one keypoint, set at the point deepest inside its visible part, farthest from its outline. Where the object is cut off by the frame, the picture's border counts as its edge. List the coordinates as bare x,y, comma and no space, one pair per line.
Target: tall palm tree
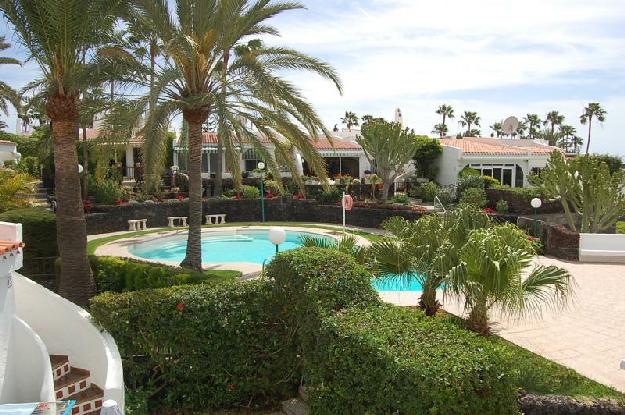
521,129
350,119
490,273
532,121
567,132
470,119
56,33
593,110
441,130
201,77
7,94
446,111
497,129
553,120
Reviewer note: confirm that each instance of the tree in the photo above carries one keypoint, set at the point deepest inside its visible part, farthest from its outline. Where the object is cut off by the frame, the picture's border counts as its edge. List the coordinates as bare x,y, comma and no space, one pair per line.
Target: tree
350,120
586,188
498,129
533,122
567,133
210,71
446,111
470,119
521,129
7,94
426,249
593,110
553,120
428,151
491,270
15,189
389,147
57,33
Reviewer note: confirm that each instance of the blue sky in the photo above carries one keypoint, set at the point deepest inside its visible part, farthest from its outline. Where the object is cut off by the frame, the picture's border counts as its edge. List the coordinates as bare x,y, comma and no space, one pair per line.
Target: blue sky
496,57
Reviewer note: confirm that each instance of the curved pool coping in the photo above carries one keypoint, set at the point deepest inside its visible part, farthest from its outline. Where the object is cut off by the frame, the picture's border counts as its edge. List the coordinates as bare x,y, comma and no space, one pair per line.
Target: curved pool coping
121,247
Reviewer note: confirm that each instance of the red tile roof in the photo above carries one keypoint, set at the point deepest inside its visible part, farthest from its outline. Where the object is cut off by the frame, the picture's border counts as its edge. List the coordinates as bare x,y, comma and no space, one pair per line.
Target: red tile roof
336,144
494,146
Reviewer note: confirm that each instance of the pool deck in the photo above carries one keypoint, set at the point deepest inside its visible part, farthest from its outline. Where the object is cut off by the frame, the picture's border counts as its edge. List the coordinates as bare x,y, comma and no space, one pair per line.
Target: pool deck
588,336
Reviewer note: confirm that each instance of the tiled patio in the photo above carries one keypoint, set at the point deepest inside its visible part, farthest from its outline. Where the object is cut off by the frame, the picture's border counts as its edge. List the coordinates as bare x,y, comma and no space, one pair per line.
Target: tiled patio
588,336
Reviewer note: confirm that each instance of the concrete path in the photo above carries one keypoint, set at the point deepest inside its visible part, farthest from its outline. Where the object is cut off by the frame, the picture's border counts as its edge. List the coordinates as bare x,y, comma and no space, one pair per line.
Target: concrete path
588,336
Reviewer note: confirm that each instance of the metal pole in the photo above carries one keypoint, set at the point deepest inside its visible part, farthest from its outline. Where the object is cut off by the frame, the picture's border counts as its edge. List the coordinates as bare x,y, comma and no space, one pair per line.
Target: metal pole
262,198
343,206
276,249
535,224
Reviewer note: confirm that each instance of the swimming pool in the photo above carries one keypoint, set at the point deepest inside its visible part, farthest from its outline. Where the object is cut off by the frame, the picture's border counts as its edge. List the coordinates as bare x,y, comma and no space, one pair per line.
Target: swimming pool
240,245
396,283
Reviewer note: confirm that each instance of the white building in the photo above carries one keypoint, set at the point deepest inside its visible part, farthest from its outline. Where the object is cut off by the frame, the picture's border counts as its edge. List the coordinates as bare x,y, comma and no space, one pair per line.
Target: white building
8,152
507,160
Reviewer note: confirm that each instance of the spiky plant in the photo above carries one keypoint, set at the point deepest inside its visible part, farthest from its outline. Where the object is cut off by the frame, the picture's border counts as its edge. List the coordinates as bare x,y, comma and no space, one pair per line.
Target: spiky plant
490,274
62,37
7,94
201,77
347,244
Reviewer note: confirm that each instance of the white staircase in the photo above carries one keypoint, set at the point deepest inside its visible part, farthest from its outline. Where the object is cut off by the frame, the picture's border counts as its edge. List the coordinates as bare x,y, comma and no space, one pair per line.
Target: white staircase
72,383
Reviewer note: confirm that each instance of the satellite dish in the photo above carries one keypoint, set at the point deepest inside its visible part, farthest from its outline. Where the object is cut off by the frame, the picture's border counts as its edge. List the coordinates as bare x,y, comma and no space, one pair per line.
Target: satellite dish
510,125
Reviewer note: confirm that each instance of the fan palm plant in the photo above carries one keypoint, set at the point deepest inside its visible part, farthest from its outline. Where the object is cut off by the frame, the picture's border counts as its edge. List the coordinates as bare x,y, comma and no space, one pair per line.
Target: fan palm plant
532,121
490,273
57,34
426,250
7,94
470,119
347,244
202,76
446,111
594,110
553,119
568,133
349,120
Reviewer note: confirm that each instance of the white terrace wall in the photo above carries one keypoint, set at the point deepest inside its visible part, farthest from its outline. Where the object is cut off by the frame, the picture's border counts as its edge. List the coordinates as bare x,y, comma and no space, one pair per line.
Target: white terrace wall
597,247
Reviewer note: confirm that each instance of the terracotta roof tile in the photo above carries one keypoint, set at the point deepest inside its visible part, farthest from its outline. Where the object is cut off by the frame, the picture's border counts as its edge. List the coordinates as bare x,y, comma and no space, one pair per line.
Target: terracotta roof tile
493,146
336,144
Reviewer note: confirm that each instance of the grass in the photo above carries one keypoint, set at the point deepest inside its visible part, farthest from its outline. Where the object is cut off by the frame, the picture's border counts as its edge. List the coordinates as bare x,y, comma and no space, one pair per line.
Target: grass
620,227
539,375
94,244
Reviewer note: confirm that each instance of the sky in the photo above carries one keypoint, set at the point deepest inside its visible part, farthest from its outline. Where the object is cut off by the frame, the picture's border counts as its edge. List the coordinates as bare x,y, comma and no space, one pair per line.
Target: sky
499,58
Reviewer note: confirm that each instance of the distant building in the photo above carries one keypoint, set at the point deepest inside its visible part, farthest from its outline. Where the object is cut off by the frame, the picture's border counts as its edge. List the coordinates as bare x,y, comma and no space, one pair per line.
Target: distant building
8,152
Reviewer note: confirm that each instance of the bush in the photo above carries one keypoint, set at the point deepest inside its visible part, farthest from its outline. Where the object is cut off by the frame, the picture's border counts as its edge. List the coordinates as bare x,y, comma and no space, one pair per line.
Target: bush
15,189
502,206
38,231
428,191
384,360
400,198
474,196
524,192
333,195
30,165
120,274
273,186
106,191
250,192
490,182
468,182
203,347
620,227
469,171
446,195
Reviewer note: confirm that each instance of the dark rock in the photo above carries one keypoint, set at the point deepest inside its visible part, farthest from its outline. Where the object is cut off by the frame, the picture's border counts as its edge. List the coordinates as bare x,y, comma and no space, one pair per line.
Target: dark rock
564,405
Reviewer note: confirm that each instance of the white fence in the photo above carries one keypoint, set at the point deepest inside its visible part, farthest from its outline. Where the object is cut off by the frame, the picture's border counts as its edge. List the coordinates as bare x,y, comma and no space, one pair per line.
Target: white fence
598,247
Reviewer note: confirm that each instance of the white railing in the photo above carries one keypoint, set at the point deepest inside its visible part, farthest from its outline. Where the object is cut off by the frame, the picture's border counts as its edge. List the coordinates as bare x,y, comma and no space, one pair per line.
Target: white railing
598,247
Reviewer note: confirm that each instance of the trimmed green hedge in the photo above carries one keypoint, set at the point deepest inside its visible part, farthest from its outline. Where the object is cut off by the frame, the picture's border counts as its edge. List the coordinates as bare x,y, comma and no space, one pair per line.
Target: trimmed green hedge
384,360
38,229
121,274
201,347
620,227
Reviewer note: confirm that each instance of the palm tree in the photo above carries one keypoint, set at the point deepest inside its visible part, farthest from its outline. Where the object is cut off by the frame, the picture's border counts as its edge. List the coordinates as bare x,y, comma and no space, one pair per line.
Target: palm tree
498,129
521,129
470,119
7,94
350,120
440,129
203,77
490,273
553,119
57,33
446,111
532,121
567,132
593,110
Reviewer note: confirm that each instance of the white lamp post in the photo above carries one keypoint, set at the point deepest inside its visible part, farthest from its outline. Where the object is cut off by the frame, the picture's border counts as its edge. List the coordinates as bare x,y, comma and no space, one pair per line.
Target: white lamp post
80,169
277,236
261,167
536,204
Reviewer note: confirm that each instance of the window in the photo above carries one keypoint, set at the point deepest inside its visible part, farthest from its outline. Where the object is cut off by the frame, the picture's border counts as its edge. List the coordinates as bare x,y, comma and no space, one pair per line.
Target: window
251,158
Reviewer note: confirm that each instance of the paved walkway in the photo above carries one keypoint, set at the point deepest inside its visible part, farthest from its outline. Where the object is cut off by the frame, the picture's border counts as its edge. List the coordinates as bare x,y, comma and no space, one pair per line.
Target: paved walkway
588,336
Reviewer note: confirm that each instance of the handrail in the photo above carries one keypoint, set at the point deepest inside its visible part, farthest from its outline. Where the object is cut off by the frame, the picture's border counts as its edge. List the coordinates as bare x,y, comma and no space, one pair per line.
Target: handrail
436,199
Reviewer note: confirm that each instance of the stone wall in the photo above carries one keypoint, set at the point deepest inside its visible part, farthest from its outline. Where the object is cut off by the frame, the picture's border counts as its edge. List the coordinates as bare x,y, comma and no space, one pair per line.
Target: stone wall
105,219
563,405
518,203
558,240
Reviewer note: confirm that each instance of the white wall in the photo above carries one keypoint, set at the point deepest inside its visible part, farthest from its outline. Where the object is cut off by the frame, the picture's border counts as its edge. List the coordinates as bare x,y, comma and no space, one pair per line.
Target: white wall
597,247
448,166
8,151
67,329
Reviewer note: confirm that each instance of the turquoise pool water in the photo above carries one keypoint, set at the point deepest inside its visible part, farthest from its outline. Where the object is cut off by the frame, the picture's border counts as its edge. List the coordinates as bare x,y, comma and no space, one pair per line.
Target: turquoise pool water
249,245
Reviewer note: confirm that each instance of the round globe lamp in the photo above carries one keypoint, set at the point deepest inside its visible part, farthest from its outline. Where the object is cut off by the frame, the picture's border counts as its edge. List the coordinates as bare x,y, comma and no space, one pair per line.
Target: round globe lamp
277,236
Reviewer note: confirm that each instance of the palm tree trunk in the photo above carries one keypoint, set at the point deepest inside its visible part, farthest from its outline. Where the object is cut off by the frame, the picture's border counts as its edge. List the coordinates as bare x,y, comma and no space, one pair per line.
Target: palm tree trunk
193,258
589,130
75,282
85,164
478,319
428,301
444,119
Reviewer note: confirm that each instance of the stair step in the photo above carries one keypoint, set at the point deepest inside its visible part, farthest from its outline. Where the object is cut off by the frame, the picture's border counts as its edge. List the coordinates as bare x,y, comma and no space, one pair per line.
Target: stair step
88,401
60,365
76,381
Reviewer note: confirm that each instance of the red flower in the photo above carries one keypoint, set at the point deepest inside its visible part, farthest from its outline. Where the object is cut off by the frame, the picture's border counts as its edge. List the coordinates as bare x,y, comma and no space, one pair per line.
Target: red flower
489,210
118,202
232,387
180,307
237,197
180,197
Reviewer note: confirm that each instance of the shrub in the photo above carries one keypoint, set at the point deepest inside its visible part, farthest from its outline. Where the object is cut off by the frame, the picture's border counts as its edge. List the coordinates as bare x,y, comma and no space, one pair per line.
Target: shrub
502,206
15,189
400,198
203,347
490,182
333,195
38,231
620,227
106,191
428,191
29,165
469,171
273,186
474,196
524,192
250,192
120,274
446,195
468,182
384,360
